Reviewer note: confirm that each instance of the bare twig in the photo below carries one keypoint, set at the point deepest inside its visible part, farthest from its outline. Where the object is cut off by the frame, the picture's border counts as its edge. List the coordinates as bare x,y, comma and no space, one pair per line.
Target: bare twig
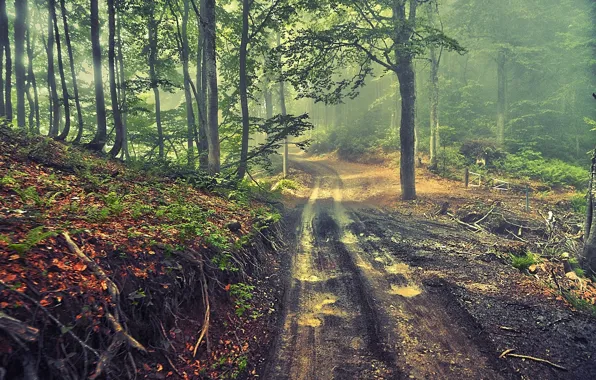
508,352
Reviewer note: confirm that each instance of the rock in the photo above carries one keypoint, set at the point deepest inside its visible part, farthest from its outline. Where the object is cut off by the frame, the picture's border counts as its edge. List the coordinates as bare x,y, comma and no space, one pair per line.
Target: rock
234,226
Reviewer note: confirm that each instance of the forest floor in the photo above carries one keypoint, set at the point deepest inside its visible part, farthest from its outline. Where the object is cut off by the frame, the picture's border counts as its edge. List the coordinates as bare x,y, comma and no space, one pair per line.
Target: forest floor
378,288
111,272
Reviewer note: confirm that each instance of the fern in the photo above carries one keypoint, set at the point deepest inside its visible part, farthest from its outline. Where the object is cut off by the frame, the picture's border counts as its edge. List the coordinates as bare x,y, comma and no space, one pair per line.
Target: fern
34,237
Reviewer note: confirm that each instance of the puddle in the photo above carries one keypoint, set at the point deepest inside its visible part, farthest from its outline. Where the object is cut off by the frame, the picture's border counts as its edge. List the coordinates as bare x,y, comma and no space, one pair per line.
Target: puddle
405,291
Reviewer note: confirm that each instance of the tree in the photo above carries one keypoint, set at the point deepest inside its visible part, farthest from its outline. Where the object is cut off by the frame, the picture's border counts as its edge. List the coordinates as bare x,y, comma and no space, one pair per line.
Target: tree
19,48
112,73
99,141
211,88
435,61
363,33
54,101
190,118
32,83
152,25
65,96
6,104
73,74
244,90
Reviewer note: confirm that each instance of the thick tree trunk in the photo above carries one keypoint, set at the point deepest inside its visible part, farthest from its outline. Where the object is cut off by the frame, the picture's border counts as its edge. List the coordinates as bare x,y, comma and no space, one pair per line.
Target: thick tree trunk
407,87
2,39
501,96
244,91
213,105
6,111
55,120
73,73
33,108
112,75
190,118
152,31
434,107
590,225
19,49
65,96
99,141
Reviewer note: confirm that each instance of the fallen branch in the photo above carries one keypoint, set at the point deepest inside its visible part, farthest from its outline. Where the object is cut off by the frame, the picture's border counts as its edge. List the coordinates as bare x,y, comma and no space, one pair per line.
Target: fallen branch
508,352
17,328
122,332
205,329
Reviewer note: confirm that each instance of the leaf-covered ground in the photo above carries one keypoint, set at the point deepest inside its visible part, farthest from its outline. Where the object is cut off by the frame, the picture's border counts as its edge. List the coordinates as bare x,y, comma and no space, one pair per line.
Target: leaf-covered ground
169,248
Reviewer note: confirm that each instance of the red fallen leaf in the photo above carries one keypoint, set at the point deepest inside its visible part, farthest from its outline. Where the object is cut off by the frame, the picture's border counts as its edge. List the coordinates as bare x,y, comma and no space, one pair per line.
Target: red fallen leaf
44,302
79,267
10,277
227,287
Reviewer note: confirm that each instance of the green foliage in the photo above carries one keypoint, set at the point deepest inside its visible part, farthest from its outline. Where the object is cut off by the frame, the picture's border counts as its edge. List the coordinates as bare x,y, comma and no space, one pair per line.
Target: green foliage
286,184
524,262
579,203
556,173
34,237
241,294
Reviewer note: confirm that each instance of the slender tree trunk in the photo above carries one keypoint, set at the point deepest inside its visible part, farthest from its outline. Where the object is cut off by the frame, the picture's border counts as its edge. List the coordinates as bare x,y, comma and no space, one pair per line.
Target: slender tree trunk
112,75
19,48
407,87
34,108
73,73
244,91
5,43
190,119
152,31
589,251
65,96
203,146
284,112
2,42
501,96
122,87
99,141
434,107
213,105
55,123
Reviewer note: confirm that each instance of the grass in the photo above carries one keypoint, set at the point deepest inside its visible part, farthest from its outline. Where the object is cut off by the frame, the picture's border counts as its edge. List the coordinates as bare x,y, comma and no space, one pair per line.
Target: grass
524,262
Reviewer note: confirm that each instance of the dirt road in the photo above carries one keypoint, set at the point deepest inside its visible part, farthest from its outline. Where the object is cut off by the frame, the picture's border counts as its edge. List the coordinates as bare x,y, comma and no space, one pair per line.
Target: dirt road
379,295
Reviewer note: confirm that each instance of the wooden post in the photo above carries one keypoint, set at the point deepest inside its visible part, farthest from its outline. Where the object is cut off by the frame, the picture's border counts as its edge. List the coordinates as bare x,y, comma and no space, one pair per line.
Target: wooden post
527,198
467,177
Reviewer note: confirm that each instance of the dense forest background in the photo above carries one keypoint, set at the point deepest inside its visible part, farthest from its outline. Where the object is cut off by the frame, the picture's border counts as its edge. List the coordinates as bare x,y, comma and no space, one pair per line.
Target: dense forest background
216,85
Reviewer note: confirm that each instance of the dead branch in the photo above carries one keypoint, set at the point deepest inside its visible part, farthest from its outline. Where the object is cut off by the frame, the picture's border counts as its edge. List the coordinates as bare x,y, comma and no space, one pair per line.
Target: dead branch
485,216
508,352
205,329
17,328
54,319
474,227
106,356
119,330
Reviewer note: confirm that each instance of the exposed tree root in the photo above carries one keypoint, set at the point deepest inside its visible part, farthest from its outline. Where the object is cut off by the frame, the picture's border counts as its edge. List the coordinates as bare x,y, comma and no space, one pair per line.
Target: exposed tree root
508,352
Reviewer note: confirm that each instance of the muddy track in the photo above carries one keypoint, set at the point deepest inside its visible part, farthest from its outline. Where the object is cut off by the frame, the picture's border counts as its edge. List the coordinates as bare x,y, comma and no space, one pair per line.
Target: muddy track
355,311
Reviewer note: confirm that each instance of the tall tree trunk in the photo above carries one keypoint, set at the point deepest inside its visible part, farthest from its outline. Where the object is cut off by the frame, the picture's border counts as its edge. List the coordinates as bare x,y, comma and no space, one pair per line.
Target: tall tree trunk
201,84
589,251
190,118
407,88
5,44
284,112
434,107
19,49
99,141
244,91
2,42
55,123
33,108
122,87
213,105
73,73
501,96
112,77
65,96
152,31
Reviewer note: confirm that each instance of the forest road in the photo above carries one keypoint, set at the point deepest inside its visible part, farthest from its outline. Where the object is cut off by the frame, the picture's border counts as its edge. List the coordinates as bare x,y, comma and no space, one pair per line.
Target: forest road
354,311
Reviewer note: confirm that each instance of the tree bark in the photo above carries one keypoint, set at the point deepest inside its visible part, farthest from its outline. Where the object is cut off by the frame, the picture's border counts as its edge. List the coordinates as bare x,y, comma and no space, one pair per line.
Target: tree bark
190,118
73,73
501,96
2,41
122,87
152,31
244,91
65,96
434,107
99,141
201,82
284,112
112,77
213,102
6,111
589,251
32,82
20,22
55,120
